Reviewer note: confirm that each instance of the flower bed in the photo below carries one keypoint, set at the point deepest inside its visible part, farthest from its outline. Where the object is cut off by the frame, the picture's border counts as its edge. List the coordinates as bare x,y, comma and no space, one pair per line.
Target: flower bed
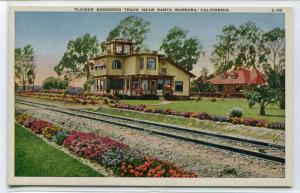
70,97
201,115
151,167
112,154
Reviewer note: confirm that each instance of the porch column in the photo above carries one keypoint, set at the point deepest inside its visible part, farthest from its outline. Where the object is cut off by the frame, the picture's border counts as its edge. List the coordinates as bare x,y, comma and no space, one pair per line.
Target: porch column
101,85
140,85
129,82
107,85
96,85
125,85
149,85
172,86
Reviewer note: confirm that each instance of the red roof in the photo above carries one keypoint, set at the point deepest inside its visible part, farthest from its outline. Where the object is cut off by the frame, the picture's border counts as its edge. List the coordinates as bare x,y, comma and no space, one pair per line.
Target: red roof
241,76
99,65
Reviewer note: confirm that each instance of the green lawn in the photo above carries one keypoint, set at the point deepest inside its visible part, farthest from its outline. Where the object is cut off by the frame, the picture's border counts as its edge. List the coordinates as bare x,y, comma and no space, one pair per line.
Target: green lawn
274,113
139,102
34,157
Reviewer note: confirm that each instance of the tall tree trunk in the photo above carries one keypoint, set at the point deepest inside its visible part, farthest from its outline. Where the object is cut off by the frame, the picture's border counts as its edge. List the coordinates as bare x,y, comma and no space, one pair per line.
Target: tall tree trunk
262,111
33,86
275,65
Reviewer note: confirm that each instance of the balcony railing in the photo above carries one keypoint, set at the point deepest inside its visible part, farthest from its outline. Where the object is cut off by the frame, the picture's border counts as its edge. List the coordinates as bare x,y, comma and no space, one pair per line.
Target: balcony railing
99,72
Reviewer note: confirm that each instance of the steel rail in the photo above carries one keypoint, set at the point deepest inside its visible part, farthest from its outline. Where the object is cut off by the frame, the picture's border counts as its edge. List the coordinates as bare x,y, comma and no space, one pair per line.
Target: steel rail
261,143
219,146
178,128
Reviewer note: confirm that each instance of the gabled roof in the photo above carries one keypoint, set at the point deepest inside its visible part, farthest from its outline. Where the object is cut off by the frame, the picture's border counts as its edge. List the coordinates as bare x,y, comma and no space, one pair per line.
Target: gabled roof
240,76
178,66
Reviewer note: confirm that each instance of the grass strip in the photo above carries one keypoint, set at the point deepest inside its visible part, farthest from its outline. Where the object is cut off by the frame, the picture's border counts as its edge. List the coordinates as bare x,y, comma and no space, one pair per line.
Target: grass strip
220,107
223,128
34,157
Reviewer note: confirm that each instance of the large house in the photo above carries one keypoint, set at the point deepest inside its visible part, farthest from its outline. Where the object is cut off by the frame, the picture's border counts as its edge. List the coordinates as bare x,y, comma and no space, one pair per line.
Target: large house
239,79
121,70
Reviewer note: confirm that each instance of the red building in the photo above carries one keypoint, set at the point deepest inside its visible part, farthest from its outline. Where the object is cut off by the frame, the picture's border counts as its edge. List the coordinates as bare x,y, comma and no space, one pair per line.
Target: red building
236,80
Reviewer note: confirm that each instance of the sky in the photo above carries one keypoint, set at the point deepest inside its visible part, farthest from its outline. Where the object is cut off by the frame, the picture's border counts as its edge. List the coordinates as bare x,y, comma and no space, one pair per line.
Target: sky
49,32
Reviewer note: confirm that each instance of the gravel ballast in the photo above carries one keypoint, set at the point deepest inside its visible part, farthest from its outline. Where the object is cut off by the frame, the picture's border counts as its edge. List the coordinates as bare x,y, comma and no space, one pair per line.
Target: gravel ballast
205,161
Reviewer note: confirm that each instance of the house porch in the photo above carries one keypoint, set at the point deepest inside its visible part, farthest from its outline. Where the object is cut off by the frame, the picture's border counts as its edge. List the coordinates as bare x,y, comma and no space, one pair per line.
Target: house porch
135,85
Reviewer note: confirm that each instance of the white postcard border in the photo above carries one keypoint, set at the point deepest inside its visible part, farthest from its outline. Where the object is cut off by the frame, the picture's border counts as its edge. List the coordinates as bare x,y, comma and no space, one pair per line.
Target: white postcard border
108,181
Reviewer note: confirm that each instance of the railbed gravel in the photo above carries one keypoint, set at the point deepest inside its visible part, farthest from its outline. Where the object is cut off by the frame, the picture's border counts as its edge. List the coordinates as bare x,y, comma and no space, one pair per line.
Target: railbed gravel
205,161
243,131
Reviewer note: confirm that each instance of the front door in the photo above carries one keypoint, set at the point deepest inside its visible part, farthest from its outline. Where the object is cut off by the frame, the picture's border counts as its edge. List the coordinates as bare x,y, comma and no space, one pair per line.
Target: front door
145,87
153,86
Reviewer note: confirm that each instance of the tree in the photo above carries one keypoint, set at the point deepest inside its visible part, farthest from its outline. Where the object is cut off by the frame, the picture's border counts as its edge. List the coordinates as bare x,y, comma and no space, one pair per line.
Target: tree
239,47
74,63
251,51
271,93
180,49
274,41
263,95
223,54
24,65
54,83
133,28
204,72
31,76
276,80
194,86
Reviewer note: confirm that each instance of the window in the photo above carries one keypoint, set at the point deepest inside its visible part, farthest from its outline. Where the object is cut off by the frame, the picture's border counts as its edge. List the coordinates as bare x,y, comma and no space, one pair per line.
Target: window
178,86
134,84
220,87
145,85
104,84
163,71
117,84
151,63
126,49
160,84
118,49
167,82
141,62
127,84
116,64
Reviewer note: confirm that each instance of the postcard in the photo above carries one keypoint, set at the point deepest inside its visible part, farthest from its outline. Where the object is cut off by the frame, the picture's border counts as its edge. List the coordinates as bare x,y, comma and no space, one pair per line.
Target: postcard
150,96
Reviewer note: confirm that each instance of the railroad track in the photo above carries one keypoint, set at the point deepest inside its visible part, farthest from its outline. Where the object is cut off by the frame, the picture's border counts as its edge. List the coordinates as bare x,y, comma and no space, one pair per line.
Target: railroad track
252,148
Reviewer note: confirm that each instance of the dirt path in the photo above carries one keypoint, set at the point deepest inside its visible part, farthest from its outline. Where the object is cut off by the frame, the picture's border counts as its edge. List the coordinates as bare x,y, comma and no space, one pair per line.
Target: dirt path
164,102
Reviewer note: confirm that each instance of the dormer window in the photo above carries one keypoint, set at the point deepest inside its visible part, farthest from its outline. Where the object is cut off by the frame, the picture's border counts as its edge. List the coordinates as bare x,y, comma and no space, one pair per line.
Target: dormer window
119,49
126,49
119,46
116,64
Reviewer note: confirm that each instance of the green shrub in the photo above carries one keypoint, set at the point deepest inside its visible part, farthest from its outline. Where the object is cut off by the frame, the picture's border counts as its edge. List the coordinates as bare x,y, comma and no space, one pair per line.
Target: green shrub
235,112
60,137
55,83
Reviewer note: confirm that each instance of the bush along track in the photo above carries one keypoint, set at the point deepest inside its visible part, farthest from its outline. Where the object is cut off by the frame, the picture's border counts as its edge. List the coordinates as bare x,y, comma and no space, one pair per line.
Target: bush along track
111,154
67,96
201,115
93,99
